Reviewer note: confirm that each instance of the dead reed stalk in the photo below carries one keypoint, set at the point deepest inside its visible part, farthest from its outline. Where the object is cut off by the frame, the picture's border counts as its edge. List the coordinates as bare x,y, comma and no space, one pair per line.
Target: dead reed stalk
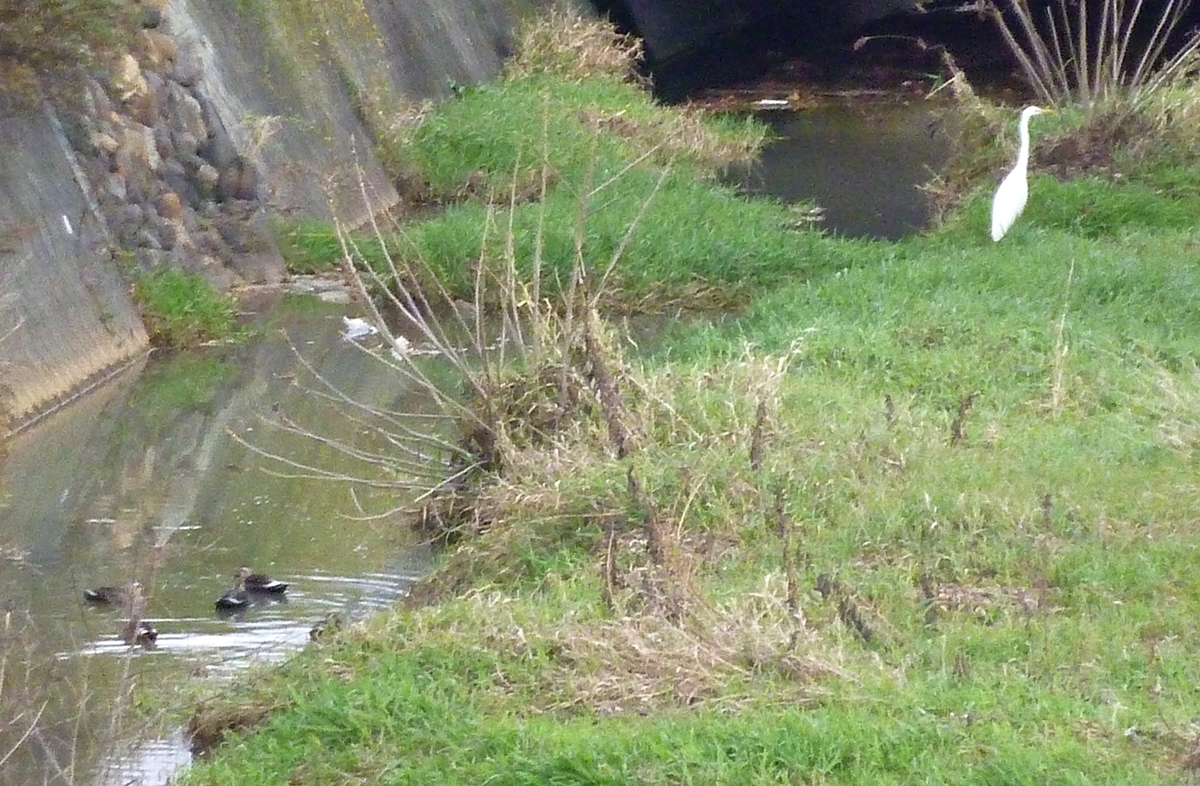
784,526
1058,361
958,426
758,436
1067,56
615,414
656,536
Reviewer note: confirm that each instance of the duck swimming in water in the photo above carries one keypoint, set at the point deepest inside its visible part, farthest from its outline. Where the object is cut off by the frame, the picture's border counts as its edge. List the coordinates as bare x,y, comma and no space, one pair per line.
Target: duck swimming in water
140,632
258,582
108,595
235,598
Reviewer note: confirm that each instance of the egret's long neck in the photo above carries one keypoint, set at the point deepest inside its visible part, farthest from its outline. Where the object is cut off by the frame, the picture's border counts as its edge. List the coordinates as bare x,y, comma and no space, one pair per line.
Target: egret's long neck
1023,150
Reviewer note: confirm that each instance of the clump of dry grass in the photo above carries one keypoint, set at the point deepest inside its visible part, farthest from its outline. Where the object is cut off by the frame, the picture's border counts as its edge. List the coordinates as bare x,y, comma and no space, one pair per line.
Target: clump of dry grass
666,643
564,42
224,714
687,133
645,662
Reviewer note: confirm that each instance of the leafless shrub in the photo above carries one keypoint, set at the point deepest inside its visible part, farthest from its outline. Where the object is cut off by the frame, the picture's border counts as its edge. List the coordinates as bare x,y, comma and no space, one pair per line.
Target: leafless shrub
509,370
1066,56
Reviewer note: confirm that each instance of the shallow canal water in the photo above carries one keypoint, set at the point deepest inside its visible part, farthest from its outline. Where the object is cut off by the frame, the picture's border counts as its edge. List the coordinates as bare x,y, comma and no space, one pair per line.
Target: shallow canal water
144,480
861,161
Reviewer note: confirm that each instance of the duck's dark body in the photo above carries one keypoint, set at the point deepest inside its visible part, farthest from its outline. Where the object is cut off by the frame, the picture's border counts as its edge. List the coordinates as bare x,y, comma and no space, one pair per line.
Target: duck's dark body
257,582
234,599
107,595
260,582
142,633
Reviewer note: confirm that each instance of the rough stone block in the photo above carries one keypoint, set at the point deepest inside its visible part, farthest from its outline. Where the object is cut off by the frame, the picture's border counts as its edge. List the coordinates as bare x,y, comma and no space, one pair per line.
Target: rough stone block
158,50
169,206
125,76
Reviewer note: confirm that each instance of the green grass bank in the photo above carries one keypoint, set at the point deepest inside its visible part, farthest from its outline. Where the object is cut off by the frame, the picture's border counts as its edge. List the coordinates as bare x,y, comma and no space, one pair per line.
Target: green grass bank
923,512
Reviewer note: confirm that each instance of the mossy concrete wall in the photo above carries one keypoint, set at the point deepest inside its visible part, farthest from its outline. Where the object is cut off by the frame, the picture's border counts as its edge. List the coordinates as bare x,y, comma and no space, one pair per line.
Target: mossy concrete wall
65,316
303,88
293,94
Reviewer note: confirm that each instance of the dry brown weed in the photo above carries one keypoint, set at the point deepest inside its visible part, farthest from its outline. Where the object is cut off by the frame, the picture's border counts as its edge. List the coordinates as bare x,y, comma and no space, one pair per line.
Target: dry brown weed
563,41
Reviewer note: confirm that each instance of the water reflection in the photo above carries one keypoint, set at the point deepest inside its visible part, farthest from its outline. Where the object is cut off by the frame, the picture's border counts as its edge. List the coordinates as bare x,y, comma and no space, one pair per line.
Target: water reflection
862,162
146,761
144,480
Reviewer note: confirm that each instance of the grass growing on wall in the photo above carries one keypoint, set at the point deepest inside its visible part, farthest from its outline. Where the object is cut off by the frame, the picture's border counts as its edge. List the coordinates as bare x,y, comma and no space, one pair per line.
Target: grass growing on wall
523,158
60,35
180,309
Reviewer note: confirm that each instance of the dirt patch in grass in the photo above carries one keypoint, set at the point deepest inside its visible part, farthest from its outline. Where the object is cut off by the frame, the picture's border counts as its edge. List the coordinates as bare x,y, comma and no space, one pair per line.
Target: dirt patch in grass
1098,146
985,602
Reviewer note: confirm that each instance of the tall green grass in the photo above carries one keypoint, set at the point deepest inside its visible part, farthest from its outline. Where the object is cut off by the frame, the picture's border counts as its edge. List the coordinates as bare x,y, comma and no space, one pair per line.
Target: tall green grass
1056,643
922,512
531,157
181,310
694,238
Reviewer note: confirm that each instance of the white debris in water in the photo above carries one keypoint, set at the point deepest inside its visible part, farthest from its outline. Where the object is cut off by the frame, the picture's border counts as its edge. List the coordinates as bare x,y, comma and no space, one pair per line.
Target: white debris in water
357,328
770,103
67,225
403,348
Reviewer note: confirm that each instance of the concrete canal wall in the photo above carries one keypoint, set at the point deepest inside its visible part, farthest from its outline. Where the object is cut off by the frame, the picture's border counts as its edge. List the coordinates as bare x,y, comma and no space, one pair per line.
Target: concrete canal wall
224,114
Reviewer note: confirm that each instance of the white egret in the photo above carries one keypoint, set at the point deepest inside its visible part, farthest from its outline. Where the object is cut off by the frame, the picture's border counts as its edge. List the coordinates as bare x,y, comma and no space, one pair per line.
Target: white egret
1014,188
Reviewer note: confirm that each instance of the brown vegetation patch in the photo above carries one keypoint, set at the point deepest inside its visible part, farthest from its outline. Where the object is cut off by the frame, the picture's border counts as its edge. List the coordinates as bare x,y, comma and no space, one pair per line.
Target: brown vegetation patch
637,664
986,602
214,719
533,408
1097,146
563,41
1191,761
681,134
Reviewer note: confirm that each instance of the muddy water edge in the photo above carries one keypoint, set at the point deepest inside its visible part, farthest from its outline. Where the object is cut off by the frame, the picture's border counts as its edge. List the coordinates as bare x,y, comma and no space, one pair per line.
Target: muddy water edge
162,477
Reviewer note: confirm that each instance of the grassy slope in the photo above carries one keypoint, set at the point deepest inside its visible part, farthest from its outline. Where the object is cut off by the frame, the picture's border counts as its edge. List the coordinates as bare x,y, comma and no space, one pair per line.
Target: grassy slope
1015,604
696,241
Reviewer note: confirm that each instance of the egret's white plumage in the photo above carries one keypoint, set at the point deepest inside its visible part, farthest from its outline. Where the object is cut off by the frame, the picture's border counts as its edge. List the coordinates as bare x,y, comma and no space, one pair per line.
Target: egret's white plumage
1014,188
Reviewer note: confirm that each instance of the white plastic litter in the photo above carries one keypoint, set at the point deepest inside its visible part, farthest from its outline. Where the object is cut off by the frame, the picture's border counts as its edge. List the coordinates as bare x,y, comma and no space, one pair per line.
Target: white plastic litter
402,348
357,328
